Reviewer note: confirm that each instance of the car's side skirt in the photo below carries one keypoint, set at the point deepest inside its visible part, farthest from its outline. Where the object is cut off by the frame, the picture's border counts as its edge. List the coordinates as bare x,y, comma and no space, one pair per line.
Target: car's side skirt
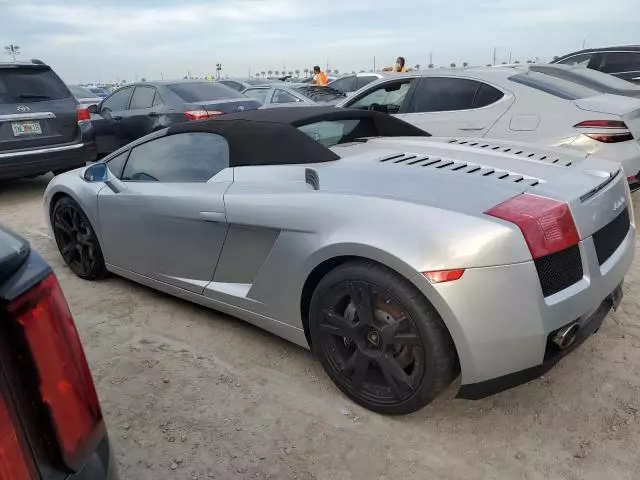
288,332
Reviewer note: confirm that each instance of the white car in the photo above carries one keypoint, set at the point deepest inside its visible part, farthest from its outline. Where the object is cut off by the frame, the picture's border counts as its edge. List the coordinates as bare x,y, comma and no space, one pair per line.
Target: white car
512,104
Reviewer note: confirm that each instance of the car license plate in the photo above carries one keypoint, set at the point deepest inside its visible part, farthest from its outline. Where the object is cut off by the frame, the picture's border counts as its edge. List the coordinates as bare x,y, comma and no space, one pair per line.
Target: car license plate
26,128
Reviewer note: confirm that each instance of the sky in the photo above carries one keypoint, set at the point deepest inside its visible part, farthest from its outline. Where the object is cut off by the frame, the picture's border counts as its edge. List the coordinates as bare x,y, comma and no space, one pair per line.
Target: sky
114,40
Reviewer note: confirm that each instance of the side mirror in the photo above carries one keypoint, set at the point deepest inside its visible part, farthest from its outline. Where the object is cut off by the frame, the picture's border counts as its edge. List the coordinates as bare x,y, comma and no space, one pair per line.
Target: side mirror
93,108
98,172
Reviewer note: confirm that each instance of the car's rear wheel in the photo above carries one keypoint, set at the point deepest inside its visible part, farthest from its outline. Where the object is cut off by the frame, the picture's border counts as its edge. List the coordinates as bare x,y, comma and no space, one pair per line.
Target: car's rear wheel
379,339
76,240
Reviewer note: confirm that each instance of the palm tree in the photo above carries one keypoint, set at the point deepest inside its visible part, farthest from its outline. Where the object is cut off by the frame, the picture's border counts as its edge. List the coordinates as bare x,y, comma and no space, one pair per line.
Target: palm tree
465,64
290,73
517,62
257,74
504,63
297,73
263,73
336,71
430,65
453,65
417,67
306,72
353,72
270,72
489,65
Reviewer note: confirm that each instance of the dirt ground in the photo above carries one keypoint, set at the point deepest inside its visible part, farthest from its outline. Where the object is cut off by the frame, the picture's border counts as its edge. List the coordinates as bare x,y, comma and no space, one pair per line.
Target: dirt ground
191,393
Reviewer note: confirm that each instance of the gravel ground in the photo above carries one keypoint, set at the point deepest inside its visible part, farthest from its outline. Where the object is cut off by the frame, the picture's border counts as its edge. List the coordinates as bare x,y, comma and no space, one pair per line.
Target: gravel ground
191,393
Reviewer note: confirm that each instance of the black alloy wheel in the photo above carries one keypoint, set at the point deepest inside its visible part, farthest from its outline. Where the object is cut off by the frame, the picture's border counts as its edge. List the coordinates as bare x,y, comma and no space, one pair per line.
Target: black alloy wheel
379,339
76,240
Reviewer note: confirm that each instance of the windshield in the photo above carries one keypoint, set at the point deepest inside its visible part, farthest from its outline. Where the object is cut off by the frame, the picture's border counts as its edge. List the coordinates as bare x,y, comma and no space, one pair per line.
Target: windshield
30,85
100,91
554,86
202,92
80,92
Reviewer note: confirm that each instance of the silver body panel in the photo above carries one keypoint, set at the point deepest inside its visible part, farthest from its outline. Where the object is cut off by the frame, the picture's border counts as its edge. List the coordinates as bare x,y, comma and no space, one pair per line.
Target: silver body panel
246,241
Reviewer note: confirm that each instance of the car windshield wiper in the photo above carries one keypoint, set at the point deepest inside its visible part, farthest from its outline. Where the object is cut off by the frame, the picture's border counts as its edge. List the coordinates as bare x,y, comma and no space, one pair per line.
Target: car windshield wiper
22,96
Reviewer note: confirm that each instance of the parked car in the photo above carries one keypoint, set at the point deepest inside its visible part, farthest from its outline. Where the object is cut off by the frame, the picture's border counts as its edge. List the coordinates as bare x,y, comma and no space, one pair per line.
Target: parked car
497,262
84,96
52,425
512,104
240,85
598,81
622,62
351,83
138,109
295,95
99,91
41,127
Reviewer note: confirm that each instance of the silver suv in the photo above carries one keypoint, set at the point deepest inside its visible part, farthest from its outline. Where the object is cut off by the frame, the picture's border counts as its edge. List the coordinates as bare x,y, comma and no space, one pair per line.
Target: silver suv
42,128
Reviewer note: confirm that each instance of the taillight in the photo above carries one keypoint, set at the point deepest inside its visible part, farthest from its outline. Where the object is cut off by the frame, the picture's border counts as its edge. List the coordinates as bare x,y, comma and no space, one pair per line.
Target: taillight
547,225
442,276
201,114
13,463
83,114
65,384
606,137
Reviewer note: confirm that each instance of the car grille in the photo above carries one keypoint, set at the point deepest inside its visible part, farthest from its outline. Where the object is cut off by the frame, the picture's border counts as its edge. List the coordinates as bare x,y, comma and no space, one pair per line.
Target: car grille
609,237
559,270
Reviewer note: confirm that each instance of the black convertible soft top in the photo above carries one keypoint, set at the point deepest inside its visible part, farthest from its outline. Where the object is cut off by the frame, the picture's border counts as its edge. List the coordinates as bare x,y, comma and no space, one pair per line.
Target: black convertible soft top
271,136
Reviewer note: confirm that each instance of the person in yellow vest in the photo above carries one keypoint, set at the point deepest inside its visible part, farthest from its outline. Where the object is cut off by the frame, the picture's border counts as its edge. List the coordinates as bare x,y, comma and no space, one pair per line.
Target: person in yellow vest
319,77
399,67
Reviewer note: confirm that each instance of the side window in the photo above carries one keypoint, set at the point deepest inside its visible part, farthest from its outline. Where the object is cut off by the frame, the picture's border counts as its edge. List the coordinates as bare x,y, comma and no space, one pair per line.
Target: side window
343,84
157,99
334,132
142,98
116,164
388,96
118,101
364,80
486,95
443,94
581,60
620,62
184,157
280,96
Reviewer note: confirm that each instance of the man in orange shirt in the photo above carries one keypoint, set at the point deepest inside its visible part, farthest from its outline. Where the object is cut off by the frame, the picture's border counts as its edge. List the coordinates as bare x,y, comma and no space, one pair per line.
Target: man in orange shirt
319,77
399,68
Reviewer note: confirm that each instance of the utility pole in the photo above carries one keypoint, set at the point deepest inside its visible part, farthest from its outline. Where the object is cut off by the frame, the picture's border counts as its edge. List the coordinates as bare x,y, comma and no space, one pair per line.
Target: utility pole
161,76
218,70
494,55
509,57
584,43
374,63
430,58
12,50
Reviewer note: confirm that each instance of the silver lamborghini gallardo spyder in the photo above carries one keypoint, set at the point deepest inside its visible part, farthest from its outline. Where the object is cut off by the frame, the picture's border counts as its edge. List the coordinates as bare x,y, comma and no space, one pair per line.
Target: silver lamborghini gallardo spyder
402,260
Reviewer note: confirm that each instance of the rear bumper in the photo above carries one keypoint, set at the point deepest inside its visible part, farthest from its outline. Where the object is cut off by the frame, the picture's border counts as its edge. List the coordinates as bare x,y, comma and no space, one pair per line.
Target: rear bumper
42,160
634,182
501,322
590,325
100,466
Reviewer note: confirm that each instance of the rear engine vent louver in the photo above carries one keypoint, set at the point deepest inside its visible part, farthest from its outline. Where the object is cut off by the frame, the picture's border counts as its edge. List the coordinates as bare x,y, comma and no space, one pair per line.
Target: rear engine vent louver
445,164
539,156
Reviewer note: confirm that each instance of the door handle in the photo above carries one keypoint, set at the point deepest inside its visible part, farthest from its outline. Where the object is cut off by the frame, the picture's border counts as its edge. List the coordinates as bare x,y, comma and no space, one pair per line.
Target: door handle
153,114
117,118
218,217
470,128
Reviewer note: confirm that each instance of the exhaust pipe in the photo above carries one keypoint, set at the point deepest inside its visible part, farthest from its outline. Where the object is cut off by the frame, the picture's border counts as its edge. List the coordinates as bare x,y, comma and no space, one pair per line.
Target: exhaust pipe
565,337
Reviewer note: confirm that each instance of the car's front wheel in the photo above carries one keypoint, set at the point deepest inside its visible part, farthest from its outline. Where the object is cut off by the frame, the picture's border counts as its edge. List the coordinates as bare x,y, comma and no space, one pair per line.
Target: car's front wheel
76,240
379,339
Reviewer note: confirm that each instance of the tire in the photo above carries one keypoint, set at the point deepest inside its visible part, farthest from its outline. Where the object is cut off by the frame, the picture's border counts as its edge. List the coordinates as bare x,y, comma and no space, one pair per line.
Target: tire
379,339
76,240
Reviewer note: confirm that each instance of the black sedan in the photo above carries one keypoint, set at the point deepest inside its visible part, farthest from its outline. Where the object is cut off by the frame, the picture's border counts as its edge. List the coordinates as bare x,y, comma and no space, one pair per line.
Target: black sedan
51,424
138,109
